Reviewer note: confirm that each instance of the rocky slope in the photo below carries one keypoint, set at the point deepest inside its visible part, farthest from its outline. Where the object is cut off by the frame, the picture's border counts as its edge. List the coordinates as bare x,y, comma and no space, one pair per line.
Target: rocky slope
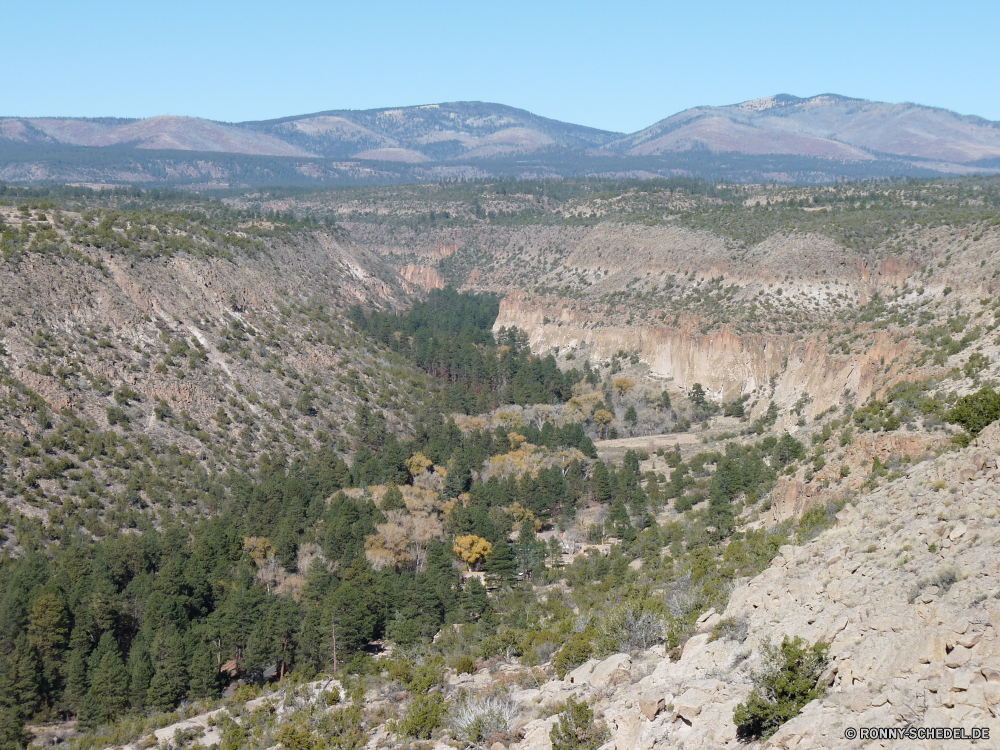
905,590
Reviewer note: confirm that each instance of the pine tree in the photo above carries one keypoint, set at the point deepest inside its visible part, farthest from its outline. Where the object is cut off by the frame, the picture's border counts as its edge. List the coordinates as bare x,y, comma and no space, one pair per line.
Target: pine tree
477,601
459,476
203,672
260,649
76,681
393,499
600,481
501,567
529,553
12,713
108,695
48,633
140,670
170,681
26,675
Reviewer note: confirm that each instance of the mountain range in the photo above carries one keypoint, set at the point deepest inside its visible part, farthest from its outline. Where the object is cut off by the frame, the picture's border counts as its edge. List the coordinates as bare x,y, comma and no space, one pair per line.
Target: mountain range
780,137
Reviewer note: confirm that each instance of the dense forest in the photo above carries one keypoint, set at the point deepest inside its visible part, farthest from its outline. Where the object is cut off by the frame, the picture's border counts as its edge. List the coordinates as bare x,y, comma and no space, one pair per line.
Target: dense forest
450,336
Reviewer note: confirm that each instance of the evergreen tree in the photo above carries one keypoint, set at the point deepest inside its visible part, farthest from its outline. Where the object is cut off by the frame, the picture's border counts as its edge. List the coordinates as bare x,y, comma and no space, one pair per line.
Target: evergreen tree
26,675
170,680
48,633
108,696
140,669
476,600
500,566
529,552
352,613
459,476
76,681
203,672
393,499
12,712
600,482
259,651
664,400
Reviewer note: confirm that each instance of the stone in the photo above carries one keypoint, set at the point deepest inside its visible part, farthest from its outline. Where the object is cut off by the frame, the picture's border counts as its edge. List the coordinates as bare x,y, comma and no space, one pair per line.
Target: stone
958,656
992,675
708,625
610,671
970,640
932,648
651,707
581,674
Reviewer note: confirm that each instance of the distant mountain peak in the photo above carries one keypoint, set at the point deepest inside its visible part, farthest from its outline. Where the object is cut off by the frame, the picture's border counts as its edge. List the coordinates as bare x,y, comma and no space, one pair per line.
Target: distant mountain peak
781,136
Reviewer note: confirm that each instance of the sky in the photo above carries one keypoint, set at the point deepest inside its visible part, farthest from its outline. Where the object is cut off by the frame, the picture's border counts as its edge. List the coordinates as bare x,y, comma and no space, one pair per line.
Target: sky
616,66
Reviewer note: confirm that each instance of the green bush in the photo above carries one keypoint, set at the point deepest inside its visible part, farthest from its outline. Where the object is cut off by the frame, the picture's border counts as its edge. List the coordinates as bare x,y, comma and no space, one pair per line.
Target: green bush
423,716
576,729
465,665
976,411
574,652
788,681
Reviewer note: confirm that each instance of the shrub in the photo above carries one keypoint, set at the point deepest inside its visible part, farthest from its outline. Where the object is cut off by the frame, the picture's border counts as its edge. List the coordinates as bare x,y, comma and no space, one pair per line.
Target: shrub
629,627
423,716
788,680
975,411
482,720
732,628
576,729
574,652
117,416
465,665
946,577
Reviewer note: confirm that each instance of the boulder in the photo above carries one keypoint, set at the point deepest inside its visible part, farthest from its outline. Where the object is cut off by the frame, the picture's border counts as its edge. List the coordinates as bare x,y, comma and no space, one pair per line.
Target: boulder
650,707
611,671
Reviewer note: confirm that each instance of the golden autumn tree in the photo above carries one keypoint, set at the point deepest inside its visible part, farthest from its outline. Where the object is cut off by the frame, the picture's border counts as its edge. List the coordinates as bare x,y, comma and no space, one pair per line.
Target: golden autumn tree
623,385
472,549
418,463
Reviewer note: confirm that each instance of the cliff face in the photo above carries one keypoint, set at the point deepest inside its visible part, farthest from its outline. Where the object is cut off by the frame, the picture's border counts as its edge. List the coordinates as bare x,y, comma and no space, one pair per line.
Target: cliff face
728,364
424,277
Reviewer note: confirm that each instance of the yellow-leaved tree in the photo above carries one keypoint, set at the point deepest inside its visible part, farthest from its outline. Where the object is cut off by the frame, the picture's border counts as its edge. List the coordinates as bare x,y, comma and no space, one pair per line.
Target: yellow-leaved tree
472,549
624,385
418,463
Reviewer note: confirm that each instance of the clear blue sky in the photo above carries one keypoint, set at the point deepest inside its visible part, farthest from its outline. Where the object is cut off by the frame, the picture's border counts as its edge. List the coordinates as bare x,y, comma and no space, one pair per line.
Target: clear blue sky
619,66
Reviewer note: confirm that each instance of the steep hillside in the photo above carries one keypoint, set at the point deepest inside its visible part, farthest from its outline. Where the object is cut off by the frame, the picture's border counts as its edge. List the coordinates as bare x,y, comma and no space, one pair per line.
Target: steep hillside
188,331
